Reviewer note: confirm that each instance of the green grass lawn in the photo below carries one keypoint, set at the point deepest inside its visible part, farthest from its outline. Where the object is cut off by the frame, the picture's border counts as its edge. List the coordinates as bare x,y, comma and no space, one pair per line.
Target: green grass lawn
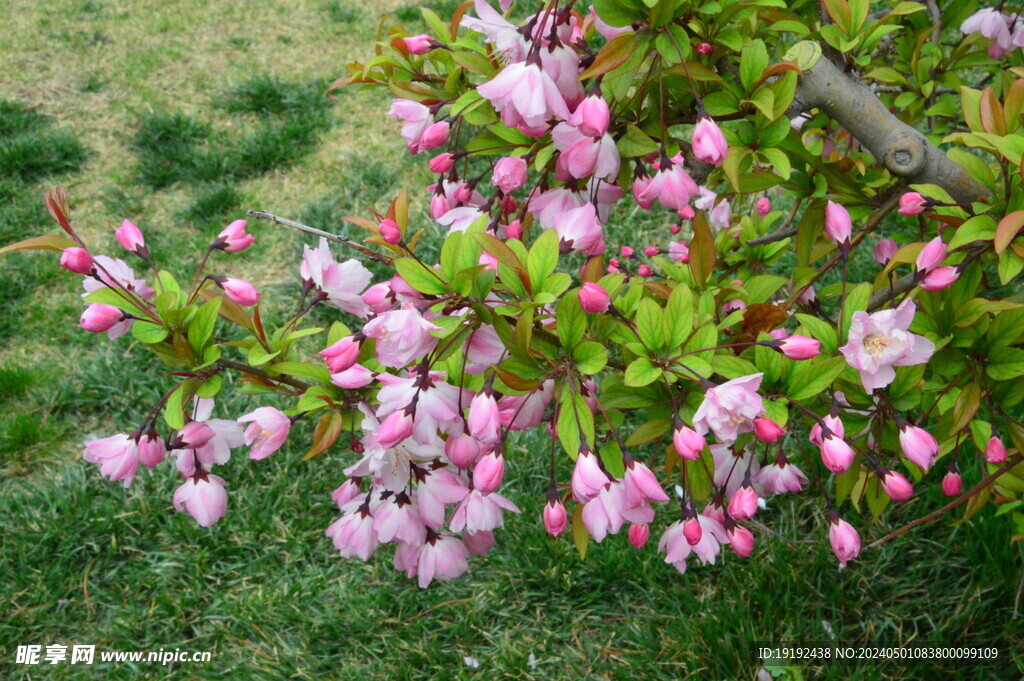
179,116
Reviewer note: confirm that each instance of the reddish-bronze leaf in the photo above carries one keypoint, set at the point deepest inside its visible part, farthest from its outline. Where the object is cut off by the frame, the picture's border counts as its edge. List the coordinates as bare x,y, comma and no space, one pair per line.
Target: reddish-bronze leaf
328,428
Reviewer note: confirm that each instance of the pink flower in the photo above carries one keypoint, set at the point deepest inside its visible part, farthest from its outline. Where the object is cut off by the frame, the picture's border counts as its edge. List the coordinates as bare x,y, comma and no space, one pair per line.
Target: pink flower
587,477
780,477
98,318
478,543
990,23
833,424
678,251
234,238
379,298
729,409
509,174
995,451
881,341
693,532
918,445
896,486
836,454
389,231
525,96
837,223
940,278
844,539
342,354
603,514
479,512
593,298
799,347
353,534
435,135
345,493
76,260
554,516
151,449
640,484
932,255
204,498
439,488
677,546
688,443
741,539
484,420
767,430
912,203
952,483
394,429
267,432
416,117
483,349
117,456
402,336
672,186
443,557
239,290
488,472
130,237
743,503
582,156
418,44
638,534
764,206
591,117
194,434
442,163
581,231
885,250
522,412
709,143
508,42
356,376
398,520
341,282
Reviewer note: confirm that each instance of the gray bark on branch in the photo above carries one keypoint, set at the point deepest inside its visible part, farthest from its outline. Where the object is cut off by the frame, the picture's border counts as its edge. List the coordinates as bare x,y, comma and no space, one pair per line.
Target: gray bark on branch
903,150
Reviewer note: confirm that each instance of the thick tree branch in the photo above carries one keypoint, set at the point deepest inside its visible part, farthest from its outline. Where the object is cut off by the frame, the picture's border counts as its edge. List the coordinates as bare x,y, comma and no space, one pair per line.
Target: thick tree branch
903,150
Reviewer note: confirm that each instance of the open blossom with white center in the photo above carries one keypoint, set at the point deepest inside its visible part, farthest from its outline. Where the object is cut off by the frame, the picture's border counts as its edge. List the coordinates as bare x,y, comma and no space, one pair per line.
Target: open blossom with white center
390,465
341,282
729,409
267,431
881,341
402,336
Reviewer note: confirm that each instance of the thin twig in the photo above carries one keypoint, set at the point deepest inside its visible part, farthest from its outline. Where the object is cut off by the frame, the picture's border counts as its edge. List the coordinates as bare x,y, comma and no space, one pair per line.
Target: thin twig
270,217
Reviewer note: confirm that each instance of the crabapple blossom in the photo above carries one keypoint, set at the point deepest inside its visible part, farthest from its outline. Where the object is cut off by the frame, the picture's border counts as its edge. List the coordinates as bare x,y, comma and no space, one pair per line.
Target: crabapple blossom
799,347
688,443
130,238
912,203
837,223
77,260
952,483
591,116
554,516
593,298
932,255
525,96
881,341
767,430
389,231
995,451
488,472
780,477
764,206
233,238
587,476
896,485
844,539
402,336
885,250
342,283
509,174
268,429
940,278
204,498
918,445
729,409
342,354
442,557
638,534
418,44
708,142
98,318
743,503
151,449
117,457
239,290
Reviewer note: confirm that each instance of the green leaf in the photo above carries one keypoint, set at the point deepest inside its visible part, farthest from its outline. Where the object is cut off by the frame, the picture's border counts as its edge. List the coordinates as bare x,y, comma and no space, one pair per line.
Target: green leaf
648,324
313,372
146,332
753,60
590,357
174,409
109,296
543,258
678,318
210,387
571,321
702,249
641,372
200,329
580,534
822,331
811,377
1005,364
635,143
856,301
417,275
649,432
570,420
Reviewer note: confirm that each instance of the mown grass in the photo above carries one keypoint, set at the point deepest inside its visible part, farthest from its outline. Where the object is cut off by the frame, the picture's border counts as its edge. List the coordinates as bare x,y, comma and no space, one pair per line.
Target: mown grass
178,117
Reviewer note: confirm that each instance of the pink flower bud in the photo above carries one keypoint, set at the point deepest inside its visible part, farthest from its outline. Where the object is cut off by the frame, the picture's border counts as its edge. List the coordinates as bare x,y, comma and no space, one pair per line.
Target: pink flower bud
396,427
593,298
342,354
554,516
234,238
767,430
704,48
484,419
442,163
686,213
438,206
239,290
389,231
837,223
741,539
912,203
743,504
418,44
688,443
708,142
591,117
644,271
205,499
885,250
627,252
940,278
130,237
651,251
435,135
918,446
638,535
76,260
463,193
510,174
932,255
836,454
515,230
692,531
488,472
587,477
952,484
376,297
98,317
194,434
897,486
995,451
844,539
462,450
764,206
799,347
151,449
